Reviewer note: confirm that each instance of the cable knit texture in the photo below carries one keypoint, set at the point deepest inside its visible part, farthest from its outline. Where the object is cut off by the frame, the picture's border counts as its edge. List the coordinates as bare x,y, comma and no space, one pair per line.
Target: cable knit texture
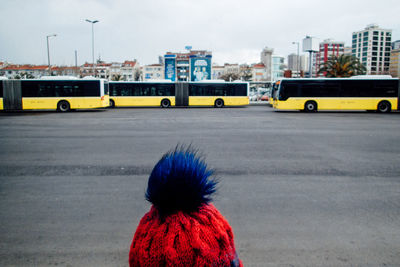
198,238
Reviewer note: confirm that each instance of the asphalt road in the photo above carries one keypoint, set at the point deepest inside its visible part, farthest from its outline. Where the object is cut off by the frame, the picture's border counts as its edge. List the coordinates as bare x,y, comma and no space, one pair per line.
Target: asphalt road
298,189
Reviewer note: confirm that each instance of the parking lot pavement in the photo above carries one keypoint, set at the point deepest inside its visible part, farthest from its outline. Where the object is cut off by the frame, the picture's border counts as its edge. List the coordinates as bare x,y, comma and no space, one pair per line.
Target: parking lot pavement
299,189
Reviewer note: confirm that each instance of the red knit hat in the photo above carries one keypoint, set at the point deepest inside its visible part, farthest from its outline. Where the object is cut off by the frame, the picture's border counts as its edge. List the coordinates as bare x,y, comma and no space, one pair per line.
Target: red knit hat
182,227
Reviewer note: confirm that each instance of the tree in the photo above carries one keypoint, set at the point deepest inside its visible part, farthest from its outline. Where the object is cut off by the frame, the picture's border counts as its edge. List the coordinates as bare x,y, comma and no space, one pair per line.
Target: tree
342,66
137,75
230,76
117,77
246,73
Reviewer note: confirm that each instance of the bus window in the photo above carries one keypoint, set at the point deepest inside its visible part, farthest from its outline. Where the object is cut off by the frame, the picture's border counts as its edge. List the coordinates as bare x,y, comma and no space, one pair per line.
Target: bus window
288,90
386,88
220,90
90,88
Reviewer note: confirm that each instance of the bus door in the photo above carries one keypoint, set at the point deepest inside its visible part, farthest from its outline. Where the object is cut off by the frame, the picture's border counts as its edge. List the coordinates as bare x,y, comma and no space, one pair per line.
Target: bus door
12,95
181,94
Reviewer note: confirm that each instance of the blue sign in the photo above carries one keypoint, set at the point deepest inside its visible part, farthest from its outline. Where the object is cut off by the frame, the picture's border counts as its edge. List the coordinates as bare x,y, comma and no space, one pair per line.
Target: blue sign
170,70
200,68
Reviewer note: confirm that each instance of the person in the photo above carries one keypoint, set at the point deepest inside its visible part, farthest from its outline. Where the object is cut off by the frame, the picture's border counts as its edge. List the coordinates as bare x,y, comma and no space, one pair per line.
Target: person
183,227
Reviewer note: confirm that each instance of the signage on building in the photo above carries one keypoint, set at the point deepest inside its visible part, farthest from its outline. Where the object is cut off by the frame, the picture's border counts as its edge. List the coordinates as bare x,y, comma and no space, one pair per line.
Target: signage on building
200,68
170,69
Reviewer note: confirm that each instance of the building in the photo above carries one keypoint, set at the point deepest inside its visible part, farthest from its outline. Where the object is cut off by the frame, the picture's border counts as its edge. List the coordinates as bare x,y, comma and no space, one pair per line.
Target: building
25,71
293,62
347,51
194,65
372,46
217,72
394,68
266,59
304,62
153,72
259,73
396,45
278,67
327,49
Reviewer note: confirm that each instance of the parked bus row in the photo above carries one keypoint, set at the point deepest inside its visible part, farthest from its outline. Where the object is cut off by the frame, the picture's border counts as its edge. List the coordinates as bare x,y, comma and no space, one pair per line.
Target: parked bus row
380,94
67,94
367,93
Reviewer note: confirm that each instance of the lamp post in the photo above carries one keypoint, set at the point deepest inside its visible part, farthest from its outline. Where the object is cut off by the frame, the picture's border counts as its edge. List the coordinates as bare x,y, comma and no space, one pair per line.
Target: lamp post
93,22
298,58
48,51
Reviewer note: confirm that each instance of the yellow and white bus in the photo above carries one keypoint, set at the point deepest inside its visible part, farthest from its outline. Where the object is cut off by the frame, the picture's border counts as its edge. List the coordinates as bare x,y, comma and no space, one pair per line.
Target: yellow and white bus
358,93
166,94
53,94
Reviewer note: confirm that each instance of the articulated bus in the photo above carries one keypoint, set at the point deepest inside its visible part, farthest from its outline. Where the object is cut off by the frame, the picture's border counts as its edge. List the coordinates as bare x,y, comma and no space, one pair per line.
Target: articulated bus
166,94
358,93
53,94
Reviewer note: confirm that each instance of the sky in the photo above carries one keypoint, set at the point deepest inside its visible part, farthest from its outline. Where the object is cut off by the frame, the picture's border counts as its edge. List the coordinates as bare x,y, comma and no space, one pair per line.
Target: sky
235,31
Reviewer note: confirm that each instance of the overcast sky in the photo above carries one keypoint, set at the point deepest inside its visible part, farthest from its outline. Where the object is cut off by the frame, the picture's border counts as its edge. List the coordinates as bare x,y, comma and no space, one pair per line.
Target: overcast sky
235,31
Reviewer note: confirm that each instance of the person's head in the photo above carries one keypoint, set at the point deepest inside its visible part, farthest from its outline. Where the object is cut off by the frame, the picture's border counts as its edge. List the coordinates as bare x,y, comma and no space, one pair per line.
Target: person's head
182,227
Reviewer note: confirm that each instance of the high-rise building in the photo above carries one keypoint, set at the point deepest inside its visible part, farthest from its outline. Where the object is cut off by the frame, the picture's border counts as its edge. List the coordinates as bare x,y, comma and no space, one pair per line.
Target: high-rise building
266,59
293,62
372,46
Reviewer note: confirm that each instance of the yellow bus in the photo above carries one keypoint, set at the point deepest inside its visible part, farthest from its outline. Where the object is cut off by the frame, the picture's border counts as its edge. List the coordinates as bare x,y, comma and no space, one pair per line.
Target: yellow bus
359,93
166,94
53,94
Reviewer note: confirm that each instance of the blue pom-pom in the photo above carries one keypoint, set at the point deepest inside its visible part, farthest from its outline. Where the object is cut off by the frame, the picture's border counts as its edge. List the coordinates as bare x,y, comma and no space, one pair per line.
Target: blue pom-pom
180,181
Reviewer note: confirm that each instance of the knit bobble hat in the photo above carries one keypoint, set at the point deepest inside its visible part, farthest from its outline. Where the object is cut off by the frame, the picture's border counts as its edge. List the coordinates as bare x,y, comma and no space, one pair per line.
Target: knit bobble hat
182,227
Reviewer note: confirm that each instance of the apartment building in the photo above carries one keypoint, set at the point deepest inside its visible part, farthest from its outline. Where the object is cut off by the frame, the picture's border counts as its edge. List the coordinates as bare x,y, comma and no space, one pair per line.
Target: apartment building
153,72
372,46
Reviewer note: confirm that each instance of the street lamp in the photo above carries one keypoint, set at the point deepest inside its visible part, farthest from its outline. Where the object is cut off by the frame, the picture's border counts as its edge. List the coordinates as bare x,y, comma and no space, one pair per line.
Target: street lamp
48,51
298,59
93,22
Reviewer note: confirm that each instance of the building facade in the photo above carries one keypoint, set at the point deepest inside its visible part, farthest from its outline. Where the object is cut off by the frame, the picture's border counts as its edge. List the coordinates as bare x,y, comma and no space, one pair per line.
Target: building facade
293,62
194,65
396,45
394,68
278,67
266,59
259,73
153,72
372,46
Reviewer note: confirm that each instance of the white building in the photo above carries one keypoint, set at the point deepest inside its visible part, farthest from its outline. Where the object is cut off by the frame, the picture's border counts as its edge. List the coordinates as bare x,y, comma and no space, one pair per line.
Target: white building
153,72
372,46
217,72
259,73
266,59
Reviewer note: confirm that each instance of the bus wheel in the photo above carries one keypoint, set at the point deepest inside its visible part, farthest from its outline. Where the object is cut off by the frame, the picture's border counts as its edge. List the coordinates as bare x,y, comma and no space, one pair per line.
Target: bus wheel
165,103
310,106
112,103
63,106
219,103
384,106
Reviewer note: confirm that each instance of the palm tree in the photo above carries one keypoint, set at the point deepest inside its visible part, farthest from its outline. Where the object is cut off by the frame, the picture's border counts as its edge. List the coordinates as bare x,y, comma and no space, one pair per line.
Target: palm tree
117,77
342,66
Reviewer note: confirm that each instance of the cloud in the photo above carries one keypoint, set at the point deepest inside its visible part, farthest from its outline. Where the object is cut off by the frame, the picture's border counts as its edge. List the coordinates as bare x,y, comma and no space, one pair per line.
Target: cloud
235,31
